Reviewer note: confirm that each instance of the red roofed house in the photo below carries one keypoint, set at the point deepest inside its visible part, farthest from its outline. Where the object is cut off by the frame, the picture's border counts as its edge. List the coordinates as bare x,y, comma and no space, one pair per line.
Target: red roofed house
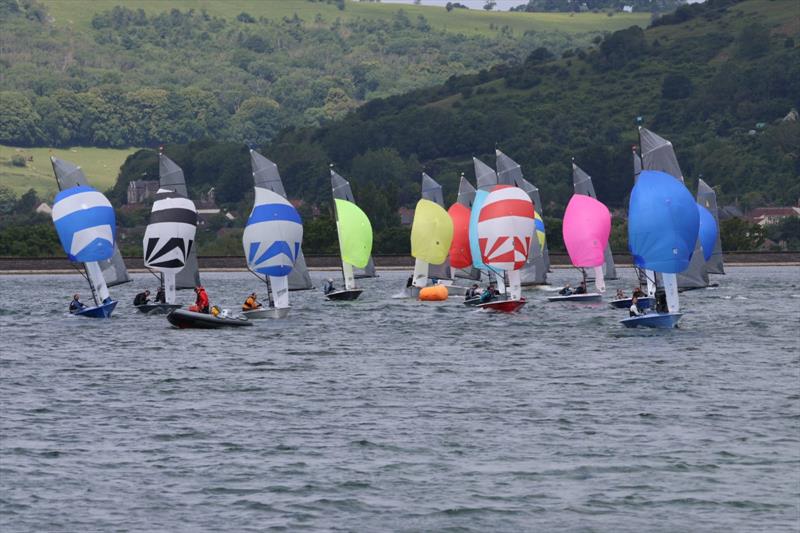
764,216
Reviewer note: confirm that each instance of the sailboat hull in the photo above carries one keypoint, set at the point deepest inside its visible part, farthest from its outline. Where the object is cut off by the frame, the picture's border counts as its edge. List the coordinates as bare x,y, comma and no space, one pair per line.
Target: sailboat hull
503,306
156,309
645,302
591,297
653,320
344,295
267,312
183,319
100,311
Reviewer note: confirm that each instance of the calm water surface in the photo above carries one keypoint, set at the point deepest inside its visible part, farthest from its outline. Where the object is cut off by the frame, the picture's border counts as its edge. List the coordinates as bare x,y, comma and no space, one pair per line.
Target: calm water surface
387,414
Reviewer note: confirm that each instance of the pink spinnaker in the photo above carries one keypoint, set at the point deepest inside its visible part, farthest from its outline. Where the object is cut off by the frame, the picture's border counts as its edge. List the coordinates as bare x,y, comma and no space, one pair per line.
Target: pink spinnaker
586,229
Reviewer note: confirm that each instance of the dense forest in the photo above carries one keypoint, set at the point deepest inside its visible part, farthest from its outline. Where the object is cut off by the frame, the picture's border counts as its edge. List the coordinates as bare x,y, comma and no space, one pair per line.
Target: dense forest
140,79
719,79
718,85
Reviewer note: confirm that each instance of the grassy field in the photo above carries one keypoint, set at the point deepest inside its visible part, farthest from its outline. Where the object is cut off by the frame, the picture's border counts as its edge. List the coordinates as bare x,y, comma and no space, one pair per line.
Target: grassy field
472,21
100,165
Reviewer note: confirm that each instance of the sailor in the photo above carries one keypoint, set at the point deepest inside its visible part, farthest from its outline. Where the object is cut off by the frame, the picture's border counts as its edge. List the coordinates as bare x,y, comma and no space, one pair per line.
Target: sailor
661,302
581,288
635,311
409,282
161,297
637,291
251,303
201,303
329,287
493,288
620,294
566,291
76,305
487,294
472,292
142,298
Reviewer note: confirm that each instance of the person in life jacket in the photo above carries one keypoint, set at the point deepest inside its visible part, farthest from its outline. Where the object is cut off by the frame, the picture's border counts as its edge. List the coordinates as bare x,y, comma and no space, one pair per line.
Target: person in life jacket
201,303
76,305
251,303
142,298
161,297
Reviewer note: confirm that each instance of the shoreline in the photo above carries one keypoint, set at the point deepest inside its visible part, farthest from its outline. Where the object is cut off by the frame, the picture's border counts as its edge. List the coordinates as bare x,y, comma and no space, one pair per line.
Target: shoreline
60,265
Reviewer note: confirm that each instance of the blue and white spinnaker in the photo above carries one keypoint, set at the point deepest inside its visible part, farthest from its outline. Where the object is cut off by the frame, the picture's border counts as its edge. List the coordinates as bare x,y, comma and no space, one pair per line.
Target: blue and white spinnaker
272,240
86,226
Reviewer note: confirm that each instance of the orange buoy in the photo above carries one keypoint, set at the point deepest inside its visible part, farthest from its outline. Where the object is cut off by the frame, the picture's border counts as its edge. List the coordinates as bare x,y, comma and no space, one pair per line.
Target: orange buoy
436,293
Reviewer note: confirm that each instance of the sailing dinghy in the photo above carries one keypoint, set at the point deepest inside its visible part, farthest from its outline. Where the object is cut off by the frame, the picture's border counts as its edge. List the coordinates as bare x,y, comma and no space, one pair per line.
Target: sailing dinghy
185,319
510,173
505,233
355,238
663,224
271,241
86,227
587,226
431,237
168,243
70,175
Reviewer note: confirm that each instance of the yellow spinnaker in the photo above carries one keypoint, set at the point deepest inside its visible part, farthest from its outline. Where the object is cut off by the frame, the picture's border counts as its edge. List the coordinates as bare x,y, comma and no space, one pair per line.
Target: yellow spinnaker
431,232
355,233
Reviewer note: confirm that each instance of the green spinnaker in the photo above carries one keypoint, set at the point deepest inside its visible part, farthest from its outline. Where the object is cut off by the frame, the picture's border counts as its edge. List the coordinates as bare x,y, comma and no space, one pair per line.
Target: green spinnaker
355,233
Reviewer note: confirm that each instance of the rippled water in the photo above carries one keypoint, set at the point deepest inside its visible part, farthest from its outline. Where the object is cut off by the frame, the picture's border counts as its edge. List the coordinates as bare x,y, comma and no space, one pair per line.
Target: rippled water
398,415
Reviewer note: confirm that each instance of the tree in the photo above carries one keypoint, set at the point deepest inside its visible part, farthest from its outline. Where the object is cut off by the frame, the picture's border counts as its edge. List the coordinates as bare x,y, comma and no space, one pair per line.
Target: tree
753,41
738,234
676,86
489,5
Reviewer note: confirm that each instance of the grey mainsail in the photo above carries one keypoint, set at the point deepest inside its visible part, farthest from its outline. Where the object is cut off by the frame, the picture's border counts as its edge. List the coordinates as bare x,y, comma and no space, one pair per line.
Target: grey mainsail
708,199
485,175
70,175
509,172
170,176
466,195
432,191
342,191
265,175
659,154
582,182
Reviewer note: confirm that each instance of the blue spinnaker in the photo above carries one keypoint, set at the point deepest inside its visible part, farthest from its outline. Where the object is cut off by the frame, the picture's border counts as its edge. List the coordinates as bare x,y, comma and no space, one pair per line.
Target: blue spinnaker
474,247
85,223
708,231
663,223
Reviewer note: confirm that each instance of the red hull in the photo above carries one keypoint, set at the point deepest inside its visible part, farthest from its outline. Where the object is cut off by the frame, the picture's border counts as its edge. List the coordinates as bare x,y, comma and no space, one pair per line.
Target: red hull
504,306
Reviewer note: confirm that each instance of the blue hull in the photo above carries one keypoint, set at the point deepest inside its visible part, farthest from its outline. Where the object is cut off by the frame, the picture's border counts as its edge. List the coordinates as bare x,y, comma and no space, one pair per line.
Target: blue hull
101,311
653,320
645,302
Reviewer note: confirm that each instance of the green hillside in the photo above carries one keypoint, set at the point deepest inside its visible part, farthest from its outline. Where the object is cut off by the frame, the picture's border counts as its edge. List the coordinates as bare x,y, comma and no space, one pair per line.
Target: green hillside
145,72
467,21
101,166
715,78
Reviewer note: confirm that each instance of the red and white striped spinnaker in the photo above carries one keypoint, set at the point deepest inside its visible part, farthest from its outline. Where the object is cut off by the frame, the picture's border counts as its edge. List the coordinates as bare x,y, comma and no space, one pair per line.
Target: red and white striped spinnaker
506,229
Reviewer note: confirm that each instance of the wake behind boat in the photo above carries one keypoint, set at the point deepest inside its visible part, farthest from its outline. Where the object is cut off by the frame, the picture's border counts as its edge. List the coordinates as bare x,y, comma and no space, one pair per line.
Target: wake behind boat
183,319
